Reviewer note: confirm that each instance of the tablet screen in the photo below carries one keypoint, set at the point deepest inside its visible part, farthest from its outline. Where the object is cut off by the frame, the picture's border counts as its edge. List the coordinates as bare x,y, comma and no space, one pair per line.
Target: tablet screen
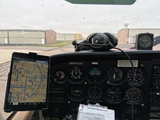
28,84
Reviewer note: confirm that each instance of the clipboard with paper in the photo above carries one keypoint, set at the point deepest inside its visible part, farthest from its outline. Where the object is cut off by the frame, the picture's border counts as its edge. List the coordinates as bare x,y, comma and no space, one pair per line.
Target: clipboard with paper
95,112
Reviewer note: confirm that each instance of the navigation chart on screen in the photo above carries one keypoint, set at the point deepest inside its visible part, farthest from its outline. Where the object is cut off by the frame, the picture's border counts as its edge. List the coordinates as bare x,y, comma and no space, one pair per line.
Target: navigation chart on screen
28,81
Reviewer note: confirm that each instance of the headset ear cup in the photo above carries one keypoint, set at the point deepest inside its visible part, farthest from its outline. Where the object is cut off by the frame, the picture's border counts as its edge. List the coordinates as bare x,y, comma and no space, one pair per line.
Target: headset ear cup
106,38
113,39
90,36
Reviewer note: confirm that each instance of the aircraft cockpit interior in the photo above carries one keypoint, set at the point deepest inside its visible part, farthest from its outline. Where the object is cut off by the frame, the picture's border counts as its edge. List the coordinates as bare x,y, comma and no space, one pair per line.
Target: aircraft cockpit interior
96,82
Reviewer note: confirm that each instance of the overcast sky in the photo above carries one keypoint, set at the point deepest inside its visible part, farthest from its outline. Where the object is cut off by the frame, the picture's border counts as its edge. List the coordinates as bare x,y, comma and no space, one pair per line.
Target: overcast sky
64,17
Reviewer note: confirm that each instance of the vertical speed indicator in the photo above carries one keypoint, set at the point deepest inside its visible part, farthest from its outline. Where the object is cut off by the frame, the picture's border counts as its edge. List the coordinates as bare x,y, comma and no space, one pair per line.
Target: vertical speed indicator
114,93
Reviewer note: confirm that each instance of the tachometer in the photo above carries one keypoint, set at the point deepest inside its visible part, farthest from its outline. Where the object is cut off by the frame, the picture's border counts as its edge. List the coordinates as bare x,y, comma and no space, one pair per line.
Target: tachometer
95,93
95,74
76,74
136,92
113,94
136,76
114,75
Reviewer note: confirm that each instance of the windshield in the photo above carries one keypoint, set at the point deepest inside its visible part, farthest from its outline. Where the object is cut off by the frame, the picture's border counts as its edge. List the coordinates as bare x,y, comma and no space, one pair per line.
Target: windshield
48,27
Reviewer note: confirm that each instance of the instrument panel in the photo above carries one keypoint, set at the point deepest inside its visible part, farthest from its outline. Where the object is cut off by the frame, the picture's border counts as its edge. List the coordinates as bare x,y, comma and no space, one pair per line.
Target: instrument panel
95,77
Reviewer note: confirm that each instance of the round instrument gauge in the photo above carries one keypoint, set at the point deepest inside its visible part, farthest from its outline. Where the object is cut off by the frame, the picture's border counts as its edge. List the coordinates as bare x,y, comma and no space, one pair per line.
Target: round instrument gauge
114,75
76,74
95,93
76,92
136,92
60,75
145,41
95,75
114,93
74,108
136,76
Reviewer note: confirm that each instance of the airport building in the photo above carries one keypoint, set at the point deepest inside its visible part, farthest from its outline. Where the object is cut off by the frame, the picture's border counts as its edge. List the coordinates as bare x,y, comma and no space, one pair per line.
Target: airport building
128,35
68,37
34,37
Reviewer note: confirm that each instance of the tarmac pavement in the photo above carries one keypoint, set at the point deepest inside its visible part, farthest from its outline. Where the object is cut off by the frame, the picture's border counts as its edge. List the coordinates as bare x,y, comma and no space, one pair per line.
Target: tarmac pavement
5,57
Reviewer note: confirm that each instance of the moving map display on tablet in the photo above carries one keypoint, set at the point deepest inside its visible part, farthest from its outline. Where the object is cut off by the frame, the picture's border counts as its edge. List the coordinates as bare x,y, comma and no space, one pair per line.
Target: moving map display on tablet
28,81
27,85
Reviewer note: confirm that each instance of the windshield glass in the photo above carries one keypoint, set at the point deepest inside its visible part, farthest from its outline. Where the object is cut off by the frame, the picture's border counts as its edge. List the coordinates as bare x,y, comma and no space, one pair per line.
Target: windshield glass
48,27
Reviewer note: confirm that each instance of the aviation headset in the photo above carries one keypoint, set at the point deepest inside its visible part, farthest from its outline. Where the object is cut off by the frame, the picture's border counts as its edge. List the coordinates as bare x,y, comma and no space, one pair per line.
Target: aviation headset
97,42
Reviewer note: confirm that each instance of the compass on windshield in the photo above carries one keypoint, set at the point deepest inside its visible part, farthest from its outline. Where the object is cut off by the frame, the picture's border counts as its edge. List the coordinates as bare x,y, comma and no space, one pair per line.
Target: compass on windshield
144,41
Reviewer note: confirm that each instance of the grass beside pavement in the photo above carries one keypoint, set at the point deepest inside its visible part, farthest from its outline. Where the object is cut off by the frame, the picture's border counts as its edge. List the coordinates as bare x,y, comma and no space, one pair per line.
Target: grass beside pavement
58,44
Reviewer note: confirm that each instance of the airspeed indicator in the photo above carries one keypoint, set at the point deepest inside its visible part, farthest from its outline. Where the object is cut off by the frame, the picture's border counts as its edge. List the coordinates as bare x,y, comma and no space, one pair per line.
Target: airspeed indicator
76,74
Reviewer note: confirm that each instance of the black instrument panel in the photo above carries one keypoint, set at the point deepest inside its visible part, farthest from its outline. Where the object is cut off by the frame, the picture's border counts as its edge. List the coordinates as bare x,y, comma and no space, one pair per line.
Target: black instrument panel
93,77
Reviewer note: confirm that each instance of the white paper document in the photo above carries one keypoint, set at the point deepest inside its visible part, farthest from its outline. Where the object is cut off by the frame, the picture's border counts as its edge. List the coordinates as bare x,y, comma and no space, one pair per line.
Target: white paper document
95,112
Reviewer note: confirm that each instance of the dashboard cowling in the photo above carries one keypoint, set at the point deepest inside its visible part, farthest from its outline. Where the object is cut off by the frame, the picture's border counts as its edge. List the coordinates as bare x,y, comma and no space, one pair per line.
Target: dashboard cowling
77,87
